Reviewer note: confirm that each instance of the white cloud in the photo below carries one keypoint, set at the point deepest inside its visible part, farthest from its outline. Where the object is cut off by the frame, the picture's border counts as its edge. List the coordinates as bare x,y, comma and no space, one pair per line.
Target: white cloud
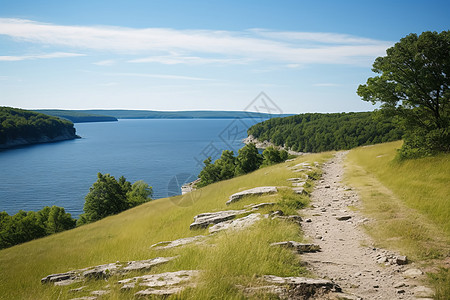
163,45
160,76
108,62
38,56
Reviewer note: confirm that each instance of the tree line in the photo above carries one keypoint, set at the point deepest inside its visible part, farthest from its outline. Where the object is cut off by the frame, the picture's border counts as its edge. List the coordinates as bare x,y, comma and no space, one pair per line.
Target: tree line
107,196
316,132
22,124
248,159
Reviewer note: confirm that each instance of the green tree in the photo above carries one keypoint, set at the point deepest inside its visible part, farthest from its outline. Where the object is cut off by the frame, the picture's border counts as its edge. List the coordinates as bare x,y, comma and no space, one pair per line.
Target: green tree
226,164
272,155
414,85
106,197
139,193
248,159
209,174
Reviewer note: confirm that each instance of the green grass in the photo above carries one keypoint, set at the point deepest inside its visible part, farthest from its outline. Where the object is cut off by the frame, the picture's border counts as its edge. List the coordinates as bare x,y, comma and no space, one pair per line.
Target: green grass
233,257
409,203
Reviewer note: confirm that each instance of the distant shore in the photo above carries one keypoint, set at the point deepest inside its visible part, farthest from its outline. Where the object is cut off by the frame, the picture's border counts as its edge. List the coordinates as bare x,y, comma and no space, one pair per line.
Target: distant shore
33,141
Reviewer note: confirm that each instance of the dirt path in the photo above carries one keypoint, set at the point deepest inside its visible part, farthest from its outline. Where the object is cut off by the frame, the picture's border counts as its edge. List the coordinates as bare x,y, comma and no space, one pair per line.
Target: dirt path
348,256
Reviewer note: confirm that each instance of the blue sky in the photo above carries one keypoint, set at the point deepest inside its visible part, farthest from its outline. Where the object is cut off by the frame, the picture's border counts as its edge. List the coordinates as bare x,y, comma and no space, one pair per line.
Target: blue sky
307,56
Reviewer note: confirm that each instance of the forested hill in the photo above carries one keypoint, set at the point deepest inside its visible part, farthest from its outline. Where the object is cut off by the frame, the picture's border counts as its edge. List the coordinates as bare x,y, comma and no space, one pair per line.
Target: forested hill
315,132
77,116
21,127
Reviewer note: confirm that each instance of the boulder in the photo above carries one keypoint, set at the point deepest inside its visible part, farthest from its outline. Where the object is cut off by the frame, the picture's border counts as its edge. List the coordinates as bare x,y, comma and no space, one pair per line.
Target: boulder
412,273
145,264
159,280
302,287
206,219
299,247
254,191
180,242
343,218
236,224
300,190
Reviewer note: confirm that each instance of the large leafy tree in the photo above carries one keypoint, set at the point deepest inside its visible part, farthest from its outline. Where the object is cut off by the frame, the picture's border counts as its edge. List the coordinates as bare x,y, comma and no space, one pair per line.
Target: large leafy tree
414,85
248,159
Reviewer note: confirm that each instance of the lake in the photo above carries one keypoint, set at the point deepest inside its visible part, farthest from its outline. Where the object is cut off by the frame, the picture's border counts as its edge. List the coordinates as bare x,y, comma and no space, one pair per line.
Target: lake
165,153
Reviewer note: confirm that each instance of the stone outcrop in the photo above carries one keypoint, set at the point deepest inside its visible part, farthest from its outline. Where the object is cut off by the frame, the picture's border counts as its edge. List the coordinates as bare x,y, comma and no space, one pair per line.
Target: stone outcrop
103,271
236,224
299,247
204,220
179,242
254,191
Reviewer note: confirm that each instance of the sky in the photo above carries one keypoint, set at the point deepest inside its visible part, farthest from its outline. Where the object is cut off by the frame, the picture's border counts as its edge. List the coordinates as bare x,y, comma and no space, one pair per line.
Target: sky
306,56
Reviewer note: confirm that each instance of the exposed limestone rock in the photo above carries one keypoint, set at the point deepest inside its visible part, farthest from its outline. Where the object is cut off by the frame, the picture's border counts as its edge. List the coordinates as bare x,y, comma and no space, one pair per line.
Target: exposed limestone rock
412,273
254,191
292,218
103,271
300,190
422,292
180,242
299,247
160,292
85,298
261,205
296,179
206,219
159,280
302,287
237,223
298,184
100,292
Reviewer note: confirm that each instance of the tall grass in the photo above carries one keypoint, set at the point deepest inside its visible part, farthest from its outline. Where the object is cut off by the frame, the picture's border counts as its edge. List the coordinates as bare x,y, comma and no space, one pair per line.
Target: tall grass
409,202
230,259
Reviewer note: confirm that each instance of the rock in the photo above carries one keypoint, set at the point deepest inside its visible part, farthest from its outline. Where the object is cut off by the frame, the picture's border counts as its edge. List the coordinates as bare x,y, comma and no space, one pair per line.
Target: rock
300,190
145,264
382,260
422,292
236,224
159,280
261,205
343,218
302,287
100,272
179,242
292,218
206,219
103,271
327,186
299,247
276,213
412,273
264,290
296,179
401,260
57,277
298,184
85,298
400,285
161,292
254,191
308,220
100,292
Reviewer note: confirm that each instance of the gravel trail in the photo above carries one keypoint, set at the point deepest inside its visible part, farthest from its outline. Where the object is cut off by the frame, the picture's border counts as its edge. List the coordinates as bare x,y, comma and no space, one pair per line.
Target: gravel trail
347,254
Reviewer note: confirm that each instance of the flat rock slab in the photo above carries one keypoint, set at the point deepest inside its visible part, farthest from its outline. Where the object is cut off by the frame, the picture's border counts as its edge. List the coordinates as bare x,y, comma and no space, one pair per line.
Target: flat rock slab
159,280
103,271
254,191
262,205
300,191
299,247
179,242
298,184
206,219
237,223
302,287
161,292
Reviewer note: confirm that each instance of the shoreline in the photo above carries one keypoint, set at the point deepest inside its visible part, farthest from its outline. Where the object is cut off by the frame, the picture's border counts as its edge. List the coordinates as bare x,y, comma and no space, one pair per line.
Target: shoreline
264,144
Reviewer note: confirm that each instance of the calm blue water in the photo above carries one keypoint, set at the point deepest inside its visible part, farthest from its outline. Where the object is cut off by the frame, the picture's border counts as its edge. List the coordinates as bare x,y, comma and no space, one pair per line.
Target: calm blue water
155,151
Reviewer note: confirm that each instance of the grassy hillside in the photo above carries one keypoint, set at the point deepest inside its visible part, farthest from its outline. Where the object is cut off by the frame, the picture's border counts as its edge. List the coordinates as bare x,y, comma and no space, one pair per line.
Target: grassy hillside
234,259
409,202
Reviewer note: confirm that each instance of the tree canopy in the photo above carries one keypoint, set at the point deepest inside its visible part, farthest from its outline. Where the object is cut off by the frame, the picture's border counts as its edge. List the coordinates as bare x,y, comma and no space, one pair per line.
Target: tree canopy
22,124
107,196
414,85
315,132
